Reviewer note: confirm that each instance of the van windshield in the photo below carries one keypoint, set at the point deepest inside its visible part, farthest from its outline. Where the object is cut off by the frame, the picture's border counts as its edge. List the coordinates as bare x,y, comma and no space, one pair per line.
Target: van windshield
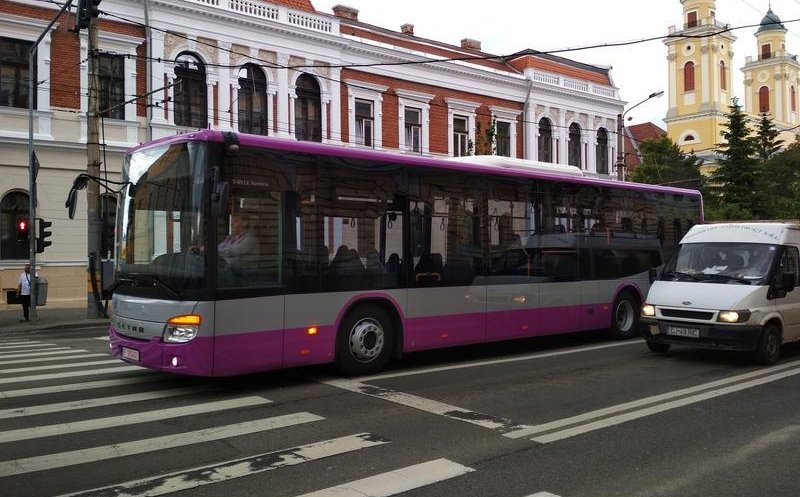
725,263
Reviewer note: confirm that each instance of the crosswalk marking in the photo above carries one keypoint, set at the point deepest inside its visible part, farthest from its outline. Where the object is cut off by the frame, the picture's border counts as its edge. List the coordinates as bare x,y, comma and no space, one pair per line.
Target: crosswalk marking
489,421
196,477
397,481
17,412
59,366
51,359
66,350
69,374
93,454
3,343
23,345
128,419
29,350
146,377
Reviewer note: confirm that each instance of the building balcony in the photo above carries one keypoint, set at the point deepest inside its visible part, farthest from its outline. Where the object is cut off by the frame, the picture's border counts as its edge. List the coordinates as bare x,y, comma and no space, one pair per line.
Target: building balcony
277,13
573,84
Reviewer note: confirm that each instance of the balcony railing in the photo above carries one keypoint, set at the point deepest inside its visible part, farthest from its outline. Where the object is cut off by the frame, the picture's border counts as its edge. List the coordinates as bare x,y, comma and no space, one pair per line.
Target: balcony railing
277,13
577,85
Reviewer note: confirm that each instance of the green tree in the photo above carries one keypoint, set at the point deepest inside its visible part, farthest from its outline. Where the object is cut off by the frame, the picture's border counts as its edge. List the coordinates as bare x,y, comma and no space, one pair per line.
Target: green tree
484,139
781,183
663,163
734,185
767,143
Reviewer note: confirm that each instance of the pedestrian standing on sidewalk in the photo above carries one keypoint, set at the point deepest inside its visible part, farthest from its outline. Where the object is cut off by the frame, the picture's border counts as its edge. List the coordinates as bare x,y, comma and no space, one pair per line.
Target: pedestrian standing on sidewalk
24,293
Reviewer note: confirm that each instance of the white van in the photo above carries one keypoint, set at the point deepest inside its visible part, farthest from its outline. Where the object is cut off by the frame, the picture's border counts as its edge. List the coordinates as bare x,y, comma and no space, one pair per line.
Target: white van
728,286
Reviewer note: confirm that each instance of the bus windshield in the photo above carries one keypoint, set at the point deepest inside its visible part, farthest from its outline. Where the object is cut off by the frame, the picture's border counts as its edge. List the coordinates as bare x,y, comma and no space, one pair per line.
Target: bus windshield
161,225
747,263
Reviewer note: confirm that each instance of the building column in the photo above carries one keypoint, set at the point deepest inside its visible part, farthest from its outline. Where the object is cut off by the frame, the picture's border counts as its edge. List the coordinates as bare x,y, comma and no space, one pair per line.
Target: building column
562,132
336,106
157,72
530,130
285,110
779,100
224,100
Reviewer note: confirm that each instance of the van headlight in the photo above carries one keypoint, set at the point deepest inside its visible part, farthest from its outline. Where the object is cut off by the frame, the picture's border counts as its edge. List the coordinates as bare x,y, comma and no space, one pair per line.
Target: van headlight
733,316
648,310
182,329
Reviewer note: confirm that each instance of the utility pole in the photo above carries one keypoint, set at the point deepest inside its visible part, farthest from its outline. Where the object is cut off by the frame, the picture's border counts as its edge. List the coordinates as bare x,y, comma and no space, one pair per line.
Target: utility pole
93,165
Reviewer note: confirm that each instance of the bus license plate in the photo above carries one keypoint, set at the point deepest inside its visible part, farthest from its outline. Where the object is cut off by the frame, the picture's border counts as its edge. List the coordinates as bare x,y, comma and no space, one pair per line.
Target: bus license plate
680,331
130,354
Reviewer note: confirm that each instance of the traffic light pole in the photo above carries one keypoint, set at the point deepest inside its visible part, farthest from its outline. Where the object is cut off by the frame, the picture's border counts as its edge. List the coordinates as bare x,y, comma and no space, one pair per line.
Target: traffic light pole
32,163
93,309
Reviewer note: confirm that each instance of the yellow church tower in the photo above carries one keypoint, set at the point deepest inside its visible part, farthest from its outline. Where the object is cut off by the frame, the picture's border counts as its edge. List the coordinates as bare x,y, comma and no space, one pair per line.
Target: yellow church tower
699,80
771,79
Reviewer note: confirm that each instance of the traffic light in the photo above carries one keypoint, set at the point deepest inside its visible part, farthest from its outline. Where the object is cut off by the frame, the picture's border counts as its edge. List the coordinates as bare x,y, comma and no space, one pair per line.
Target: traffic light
87,9
22,229
42,235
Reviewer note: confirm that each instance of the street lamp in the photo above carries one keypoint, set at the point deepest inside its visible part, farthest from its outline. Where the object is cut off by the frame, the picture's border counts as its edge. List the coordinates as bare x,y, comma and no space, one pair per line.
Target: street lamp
621,141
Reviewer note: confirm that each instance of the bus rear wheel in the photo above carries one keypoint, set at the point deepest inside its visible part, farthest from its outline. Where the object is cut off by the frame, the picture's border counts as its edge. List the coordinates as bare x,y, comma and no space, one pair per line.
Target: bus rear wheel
625,318
364,341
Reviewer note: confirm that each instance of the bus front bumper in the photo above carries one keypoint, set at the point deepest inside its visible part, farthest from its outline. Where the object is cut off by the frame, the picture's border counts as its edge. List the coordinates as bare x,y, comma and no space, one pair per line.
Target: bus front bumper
192,358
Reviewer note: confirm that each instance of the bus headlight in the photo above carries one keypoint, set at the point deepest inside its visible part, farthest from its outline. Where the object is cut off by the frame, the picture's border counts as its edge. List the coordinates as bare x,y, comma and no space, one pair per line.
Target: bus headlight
648,310
733,316
182,329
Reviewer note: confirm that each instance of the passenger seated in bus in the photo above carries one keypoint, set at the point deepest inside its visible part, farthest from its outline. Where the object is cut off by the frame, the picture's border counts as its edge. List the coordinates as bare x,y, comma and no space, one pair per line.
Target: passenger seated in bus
426,273
393,263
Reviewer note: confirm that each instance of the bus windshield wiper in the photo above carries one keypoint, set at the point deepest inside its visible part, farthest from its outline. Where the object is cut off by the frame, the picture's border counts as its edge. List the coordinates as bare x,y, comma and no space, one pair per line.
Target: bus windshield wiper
133,278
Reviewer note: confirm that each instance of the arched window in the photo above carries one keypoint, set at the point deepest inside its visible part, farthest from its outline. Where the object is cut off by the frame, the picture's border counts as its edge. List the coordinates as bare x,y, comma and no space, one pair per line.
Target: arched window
763,99
252,100
574,146
545,140
14,242
723,77
191,97
307,110
688,76
793,98
602,151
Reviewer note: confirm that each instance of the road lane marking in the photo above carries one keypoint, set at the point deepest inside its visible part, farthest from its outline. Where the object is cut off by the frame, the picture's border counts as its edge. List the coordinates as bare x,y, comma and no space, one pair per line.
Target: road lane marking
71,365
17,412
397,481
144,377
128,419
496,423
639,403
205,475
476,364
52,359
69,374
66,350
649,411
101,453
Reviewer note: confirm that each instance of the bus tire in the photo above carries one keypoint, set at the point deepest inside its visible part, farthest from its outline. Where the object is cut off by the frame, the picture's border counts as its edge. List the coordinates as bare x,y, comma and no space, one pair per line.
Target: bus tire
625,316
658,347
364,341
769,347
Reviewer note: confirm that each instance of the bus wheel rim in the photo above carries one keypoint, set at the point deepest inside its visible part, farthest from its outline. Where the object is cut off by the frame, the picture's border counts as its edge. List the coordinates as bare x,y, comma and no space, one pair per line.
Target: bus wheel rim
624,315
367,339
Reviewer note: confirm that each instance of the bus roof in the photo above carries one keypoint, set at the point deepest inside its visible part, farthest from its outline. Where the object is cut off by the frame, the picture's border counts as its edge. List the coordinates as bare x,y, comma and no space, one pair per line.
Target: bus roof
476,164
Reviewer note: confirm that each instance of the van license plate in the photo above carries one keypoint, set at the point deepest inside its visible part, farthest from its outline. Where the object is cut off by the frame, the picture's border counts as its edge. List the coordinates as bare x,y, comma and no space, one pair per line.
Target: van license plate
130,354
680,331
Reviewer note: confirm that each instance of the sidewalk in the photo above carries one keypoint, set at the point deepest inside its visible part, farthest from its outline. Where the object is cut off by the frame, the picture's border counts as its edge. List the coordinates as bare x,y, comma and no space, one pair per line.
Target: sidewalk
49,318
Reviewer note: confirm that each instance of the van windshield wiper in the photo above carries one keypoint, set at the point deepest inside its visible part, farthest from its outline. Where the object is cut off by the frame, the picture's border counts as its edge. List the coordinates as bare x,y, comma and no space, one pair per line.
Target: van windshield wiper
727,277
681,274
133,279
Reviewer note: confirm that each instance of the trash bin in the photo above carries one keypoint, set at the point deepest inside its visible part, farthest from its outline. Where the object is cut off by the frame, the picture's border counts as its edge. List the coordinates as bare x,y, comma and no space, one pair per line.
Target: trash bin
41,291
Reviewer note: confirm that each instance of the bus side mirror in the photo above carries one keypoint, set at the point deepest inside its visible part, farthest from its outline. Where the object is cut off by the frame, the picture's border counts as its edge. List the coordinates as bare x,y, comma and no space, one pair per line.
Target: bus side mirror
652,274
219,193
71,203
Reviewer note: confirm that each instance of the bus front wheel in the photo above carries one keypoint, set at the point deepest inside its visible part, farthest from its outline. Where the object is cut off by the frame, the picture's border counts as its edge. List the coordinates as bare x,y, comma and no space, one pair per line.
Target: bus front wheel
625,319
769,347
364,341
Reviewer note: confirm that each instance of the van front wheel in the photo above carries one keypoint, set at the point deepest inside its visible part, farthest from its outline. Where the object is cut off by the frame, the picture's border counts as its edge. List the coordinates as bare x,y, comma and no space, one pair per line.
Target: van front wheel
769,348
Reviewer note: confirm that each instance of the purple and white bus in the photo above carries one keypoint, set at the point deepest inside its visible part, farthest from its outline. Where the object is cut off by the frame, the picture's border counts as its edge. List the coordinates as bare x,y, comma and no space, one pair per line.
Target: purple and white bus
240,253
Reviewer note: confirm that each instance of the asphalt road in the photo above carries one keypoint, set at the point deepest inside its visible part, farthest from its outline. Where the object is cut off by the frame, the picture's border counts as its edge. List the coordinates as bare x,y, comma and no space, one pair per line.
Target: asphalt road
575,416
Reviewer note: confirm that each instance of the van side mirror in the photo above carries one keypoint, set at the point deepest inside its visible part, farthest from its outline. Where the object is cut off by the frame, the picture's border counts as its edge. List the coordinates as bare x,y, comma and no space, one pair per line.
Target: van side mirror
788,282
652,274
